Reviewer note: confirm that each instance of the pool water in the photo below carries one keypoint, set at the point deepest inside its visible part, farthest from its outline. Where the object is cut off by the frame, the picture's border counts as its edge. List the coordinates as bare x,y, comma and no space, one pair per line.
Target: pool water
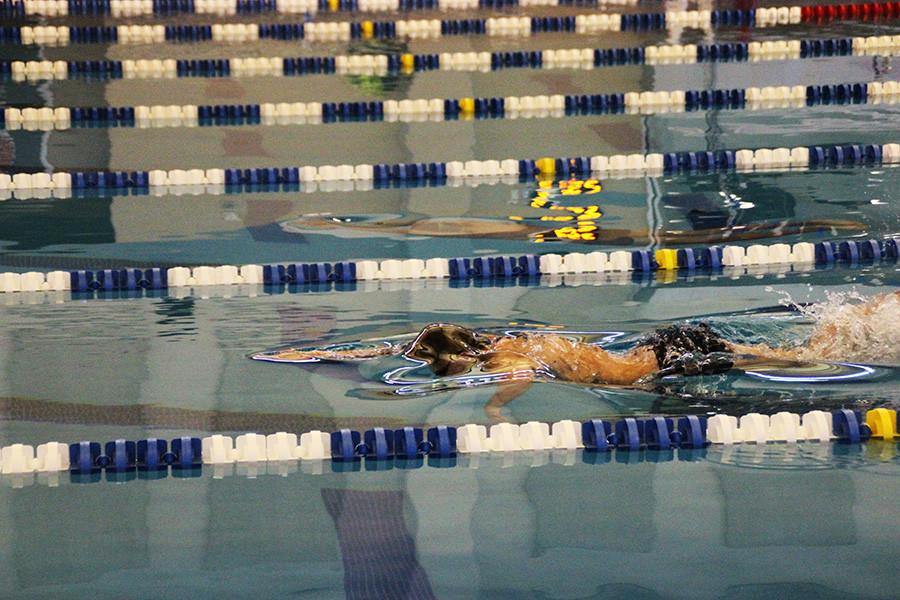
745,522
809,520
266,227
736,525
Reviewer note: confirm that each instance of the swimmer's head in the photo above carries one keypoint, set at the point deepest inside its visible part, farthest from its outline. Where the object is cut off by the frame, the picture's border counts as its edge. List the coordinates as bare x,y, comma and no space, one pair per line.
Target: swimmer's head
448,349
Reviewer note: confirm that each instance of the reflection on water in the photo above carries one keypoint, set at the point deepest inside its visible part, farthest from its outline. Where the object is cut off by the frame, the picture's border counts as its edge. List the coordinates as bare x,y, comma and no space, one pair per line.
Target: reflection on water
721,522
445,221
876,455
810,372
570,210
734,522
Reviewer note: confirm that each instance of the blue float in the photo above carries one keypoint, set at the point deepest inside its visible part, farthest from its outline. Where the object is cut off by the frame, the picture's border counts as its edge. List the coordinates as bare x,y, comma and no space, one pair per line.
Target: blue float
378,444
595,435
408,442
186,452
442,441
692,432
848,426
344,445
121,455
657,432
84,456
628,434
151,454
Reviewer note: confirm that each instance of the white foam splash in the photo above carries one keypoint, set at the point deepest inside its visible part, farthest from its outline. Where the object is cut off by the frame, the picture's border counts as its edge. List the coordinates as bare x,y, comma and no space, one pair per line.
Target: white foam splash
852,327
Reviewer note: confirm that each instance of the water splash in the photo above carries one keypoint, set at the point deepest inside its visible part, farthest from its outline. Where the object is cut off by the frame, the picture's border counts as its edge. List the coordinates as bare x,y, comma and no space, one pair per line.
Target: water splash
851,327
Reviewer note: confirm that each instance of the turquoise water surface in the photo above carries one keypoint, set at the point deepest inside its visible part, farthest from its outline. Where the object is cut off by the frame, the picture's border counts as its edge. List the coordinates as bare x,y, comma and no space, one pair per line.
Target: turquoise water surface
798,521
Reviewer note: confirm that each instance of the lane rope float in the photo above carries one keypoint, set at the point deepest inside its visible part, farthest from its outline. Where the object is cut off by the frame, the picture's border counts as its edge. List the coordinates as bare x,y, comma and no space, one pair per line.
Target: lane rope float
780,273
384,64
704,19
714,259
447,109
443,173
155,458
133,8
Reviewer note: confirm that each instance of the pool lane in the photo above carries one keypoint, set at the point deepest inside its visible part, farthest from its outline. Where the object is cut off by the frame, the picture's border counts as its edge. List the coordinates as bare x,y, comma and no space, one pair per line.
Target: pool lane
120,230
178,365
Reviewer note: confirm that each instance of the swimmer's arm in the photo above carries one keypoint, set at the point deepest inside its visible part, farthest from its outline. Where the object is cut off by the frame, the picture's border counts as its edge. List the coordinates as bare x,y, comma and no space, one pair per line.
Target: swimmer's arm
825,340
519,368
748,354
349,354
506,393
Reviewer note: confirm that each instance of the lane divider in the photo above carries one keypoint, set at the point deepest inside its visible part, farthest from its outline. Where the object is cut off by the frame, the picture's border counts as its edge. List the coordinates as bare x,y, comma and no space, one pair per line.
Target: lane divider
702,259
348,449
309,31
133,8
809,455
445,109
203,291
761,17
413,29
612,172
658,20
444,173
384,64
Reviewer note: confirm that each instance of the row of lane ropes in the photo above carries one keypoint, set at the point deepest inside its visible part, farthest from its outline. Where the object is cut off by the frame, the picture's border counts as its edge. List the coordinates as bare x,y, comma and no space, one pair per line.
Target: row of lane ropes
533,443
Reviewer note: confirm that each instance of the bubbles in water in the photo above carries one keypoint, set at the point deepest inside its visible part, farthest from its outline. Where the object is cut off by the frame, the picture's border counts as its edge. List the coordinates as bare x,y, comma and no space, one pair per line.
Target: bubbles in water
851,327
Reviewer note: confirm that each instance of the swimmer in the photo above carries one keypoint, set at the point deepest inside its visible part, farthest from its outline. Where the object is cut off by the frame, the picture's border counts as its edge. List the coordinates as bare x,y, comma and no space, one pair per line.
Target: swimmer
451,350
